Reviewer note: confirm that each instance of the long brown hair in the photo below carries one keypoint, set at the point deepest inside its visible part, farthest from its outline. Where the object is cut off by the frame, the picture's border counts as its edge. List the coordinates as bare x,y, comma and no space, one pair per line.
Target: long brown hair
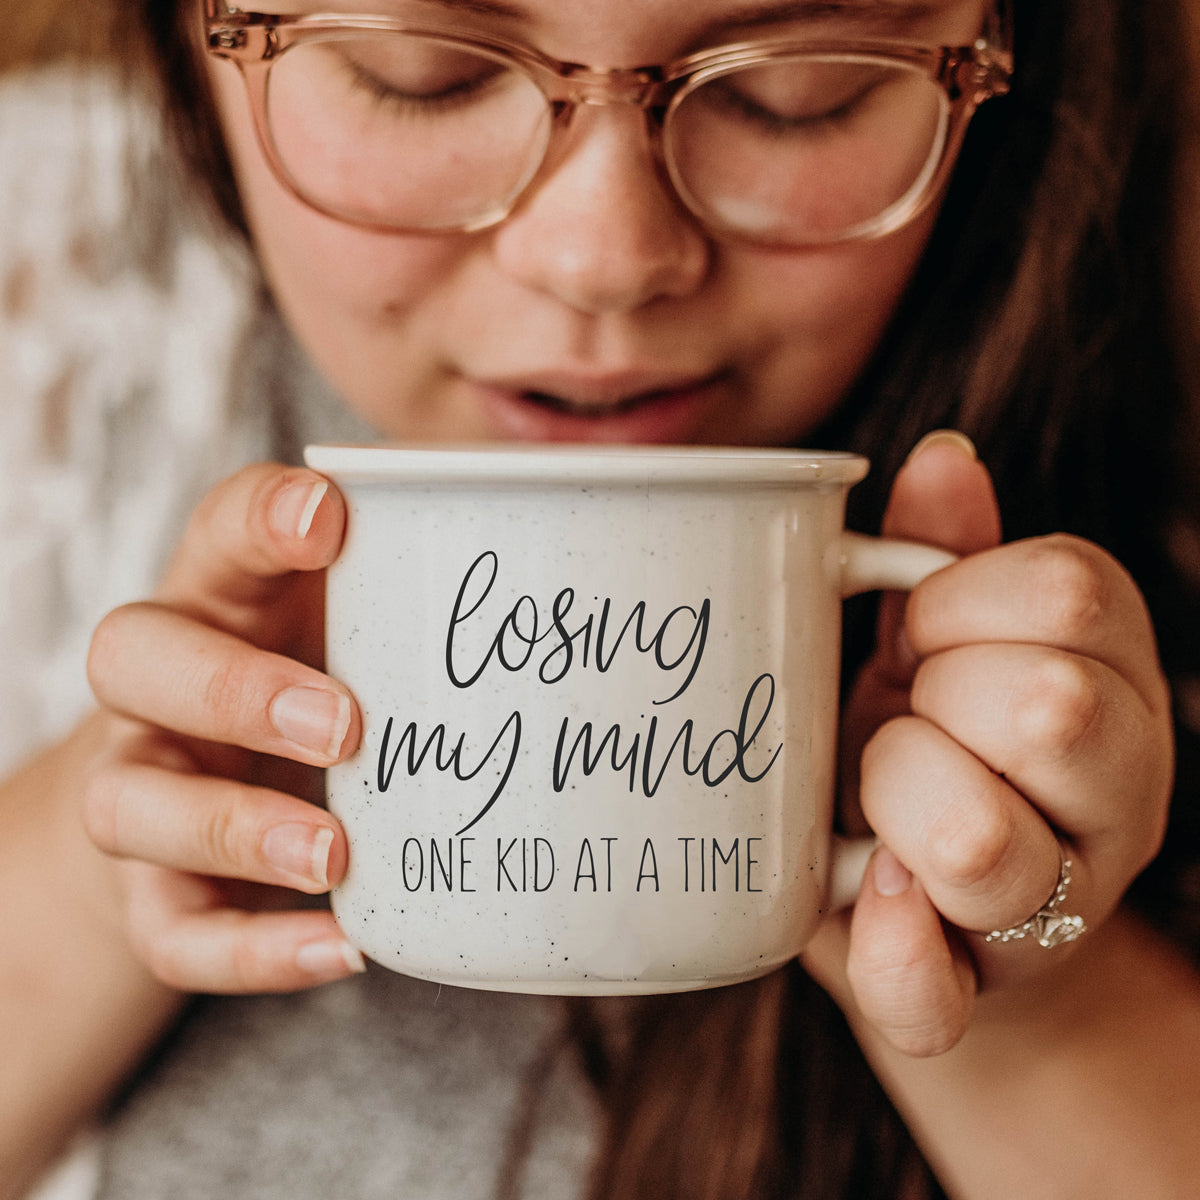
1040,322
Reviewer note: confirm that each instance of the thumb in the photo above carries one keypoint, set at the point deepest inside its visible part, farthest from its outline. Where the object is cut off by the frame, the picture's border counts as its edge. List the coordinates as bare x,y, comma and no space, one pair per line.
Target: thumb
942,495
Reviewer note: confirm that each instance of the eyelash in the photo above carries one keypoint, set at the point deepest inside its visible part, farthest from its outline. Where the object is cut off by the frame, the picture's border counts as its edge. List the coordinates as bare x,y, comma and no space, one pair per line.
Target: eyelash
386,95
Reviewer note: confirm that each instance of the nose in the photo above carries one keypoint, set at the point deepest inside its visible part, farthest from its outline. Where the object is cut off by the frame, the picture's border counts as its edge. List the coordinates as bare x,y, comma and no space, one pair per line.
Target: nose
599,230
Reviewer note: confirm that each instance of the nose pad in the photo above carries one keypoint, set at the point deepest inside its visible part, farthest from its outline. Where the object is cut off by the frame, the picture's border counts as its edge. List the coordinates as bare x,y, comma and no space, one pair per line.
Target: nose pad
601,230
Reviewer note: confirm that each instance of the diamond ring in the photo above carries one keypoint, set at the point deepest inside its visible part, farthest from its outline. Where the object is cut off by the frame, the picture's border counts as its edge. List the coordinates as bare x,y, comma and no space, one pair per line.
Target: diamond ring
1049,925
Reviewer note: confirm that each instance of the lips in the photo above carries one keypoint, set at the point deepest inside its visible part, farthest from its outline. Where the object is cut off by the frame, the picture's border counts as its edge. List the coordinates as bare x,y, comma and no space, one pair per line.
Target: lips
629,407
592,410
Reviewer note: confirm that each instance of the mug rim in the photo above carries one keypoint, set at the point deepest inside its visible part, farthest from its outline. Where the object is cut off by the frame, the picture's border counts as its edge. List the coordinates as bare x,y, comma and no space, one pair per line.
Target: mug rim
581,463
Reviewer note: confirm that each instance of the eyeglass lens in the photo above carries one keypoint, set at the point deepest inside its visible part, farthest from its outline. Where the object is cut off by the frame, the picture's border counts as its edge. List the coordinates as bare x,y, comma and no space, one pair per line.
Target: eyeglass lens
409,131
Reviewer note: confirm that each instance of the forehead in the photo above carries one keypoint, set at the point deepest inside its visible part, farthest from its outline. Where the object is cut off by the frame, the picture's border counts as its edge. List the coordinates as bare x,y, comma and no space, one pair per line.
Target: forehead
631,31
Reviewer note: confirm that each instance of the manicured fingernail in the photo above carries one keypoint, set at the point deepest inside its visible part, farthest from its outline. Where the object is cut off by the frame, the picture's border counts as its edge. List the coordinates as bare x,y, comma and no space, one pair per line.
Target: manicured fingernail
296,506
330,959
314,718
945,437
300,849
891,877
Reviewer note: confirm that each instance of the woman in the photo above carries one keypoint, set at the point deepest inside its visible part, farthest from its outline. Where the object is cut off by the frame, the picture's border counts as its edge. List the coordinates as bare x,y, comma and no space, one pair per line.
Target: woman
1024,303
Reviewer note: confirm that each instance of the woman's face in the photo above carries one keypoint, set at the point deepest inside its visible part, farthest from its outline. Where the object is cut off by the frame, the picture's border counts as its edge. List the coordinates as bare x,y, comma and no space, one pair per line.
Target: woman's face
599,310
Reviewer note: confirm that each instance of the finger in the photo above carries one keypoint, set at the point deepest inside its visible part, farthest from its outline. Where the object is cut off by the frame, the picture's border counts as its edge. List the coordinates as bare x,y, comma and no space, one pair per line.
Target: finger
942,495
910,981
985,857
212,826
190,944
159,666
1070,734
247,536
1057,591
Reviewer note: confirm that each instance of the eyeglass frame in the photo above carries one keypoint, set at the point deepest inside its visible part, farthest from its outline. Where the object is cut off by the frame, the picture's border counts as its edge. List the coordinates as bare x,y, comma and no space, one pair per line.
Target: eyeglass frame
968,74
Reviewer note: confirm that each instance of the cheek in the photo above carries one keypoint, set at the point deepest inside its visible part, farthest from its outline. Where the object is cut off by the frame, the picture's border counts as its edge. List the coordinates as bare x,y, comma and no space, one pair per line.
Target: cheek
846,294
321,270
814,319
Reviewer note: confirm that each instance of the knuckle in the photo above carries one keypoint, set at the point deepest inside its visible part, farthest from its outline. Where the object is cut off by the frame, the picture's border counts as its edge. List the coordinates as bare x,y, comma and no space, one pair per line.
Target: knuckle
918,1033
101,803
227,531
227,499
1070,586
917,1014
929,1038
877,969
151,940
239,510
152,930
886,746
968,849
220,840
1055,706
887,741
224,690
160,956
248,965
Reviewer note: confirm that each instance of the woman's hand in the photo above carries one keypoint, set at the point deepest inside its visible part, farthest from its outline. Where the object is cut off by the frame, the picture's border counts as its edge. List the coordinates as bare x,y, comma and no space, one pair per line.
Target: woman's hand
217,717
1014,704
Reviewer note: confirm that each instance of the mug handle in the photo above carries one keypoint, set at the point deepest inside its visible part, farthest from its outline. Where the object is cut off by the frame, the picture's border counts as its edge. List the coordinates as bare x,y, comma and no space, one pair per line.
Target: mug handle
869,564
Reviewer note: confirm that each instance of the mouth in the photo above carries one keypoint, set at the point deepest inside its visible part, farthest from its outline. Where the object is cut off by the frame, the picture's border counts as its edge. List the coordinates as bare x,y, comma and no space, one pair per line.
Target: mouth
591,409
616,409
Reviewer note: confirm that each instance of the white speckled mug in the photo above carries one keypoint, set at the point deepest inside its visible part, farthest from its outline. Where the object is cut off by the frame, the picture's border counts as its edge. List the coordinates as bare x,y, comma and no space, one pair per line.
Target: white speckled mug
599,694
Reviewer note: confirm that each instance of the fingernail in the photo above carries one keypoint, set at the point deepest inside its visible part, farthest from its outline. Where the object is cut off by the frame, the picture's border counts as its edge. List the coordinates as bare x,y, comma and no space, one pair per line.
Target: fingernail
313,718
296,506
944,437
330,959
891,877
300,849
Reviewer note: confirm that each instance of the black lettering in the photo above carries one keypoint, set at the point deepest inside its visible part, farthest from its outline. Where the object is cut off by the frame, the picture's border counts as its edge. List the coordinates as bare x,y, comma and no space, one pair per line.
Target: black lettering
446,762
751,863
687,841
585,849
445,869
501,866
652,873
457,617
718,853
699,630
583,740
412,887
538,843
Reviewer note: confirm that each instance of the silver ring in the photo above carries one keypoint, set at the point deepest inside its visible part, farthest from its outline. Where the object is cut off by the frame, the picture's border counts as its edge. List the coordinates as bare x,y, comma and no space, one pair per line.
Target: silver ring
1049,925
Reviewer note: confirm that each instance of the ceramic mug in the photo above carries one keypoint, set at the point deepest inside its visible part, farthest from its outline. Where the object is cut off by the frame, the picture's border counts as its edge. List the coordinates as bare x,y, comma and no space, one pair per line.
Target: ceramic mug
599,691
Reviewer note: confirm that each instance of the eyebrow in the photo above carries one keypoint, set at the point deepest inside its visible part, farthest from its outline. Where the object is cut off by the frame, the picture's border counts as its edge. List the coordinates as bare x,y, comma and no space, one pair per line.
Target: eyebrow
816,10
758,14
483,8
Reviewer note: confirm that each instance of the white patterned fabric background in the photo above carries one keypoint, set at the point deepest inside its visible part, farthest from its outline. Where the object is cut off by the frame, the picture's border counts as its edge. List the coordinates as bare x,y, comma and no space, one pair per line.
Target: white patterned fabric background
121,326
